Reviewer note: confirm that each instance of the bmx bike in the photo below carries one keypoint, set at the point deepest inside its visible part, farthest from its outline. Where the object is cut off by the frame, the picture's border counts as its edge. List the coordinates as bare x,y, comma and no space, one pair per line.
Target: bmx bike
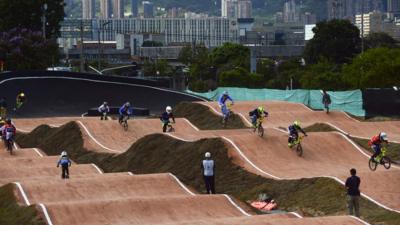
380,159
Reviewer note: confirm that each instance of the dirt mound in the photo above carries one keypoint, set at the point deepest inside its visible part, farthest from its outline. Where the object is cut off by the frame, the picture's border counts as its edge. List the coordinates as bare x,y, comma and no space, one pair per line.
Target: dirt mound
159,153
11,213
201,116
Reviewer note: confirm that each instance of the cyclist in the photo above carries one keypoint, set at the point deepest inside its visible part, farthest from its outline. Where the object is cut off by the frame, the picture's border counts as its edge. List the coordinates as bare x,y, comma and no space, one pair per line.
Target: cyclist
125,110
3,107
257,114
376,143
165,116
8,131
222,103
294,133
103,110
21,99
65,163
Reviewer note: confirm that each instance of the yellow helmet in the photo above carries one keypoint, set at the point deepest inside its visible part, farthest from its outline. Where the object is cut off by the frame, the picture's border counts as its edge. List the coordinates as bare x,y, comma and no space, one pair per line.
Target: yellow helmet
297,123
22,95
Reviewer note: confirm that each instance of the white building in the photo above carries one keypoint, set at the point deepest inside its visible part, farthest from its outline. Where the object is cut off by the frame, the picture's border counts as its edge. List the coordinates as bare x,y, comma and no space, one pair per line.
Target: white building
377,22
224,12
211,31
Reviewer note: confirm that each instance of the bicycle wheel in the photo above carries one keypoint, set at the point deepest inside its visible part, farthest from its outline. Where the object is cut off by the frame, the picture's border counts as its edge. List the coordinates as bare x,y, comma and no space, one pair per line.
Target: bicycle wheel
10,146
386,162
372,164
260,130
125,125
299,150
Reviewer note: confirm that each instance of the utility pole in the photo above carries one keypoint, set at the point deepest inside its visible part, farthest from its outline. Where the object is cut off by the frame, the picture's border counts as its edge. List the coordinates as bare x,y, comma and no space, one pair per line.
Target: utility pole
81,55
44,8
98,48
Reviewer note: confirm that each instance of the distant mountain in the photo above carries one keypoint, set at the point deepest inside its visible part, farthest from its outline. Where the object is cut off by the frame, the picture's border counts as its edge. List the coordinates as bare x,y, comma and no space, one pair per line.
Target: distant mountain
261,8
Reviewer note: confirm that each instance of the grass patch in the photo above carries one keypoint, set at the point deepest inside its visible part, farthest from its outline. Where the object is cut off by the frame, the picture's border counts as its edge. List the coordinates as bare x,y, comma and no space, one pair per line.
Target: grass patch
157,153
393,149
319,127
13,214
202,117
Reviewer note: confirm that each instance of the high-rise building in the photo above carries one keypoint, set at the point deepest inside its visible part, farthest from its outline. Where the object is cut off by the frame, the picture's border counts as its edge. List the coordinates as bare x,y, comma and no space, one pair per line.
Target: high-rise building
291,12
393,6
347,9
148,9
244,9
231,8
105,9
118,8
224,12
88,9
134,8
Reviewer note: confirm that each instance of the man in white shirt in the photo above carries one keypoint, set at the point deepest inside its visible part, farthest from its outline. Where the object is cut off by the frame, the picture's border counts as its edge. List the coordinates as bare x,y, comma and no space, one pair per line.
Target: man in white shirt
208,170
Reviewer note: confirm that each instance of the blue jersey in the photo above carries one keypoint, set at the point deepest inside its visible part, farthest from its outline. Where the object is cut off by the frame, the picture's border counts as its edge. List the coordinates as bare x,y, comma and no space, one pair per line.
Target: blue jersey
223,98
64,161
125,110
166,116
294,129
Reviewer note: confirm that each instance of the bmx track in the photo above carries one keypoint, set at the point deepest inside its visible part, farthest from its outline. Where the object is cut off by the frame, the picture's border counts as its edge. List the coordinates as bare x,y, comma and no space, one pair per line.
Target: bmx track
92,197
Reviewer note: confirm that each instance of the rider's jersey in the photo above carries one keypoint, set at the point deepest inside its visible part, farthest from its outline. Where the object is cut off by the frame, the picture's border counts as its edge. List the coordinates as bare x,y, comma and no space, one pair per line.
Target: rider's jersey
8,131
208,167
257,114
166,116
20,98
64,161
223,98
103,108
125,110
293,129
375,140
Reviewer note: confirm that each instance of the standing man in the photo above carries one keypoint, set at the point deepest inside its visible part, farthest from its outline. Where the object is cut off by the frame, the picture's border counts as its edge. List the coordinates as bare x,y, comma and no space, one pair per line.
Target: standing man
326,100
208,170
353,193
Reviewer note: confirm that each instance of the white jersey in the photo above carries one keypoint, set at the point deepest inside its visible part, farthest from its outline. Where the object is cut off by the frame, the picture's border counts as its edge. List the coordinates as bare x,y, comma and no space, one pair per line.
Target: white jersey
103,108
208,167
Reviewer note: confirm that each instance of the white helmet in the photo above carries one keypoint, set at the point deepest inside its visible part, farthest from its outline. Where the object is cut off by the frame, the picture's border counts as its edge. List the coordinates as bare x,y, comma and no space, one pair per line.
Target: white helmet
168,109
207,155
64,153
383,136
225,93
105,103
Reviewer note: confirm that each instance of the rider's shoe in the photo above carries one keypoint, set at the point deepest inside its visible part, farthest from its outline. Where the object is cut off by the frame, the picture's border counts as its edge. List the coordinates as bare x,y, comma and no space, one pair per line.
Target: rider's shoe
290,145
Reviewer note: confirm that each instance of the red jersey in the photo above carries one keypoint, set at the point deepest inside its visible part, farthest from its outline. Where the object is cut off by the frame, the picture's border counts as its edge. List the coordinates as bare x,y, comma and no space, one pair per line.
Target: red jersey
375,140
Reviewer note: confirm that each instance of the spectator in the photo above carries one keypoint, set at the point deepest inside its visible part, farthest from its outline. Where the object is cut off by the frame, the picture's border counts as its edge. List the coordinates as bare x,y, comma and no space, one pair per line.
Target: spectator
353,193
326,100
208,170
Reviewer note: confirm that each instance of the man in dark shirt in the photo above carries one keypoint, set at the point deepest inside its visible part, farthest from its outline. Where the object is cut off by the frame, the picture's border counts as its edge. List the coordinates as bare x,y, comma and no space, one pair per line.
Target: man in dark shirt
353,193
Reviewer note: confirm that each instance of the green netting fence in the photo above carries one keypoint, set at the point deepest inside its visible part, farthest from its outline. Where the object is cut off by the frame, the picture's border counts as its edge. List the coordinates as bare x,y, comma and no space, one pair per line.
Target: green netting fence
347,101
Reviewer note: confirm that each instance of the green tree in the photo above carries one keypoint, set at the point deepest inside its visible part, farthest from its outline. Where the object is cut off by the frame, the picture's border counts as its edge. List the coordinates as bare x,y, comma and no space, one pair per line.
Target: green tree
380,39
323,75
375,68
266,67
290,70
338,41
234,78
230,56
158,67
27,50
28,14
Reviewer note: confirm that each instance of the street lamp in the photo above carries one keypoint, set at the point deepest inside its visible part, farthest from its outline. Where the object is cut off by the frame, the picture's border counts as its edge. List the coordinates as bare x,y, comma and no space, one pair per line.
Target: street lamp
100,48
